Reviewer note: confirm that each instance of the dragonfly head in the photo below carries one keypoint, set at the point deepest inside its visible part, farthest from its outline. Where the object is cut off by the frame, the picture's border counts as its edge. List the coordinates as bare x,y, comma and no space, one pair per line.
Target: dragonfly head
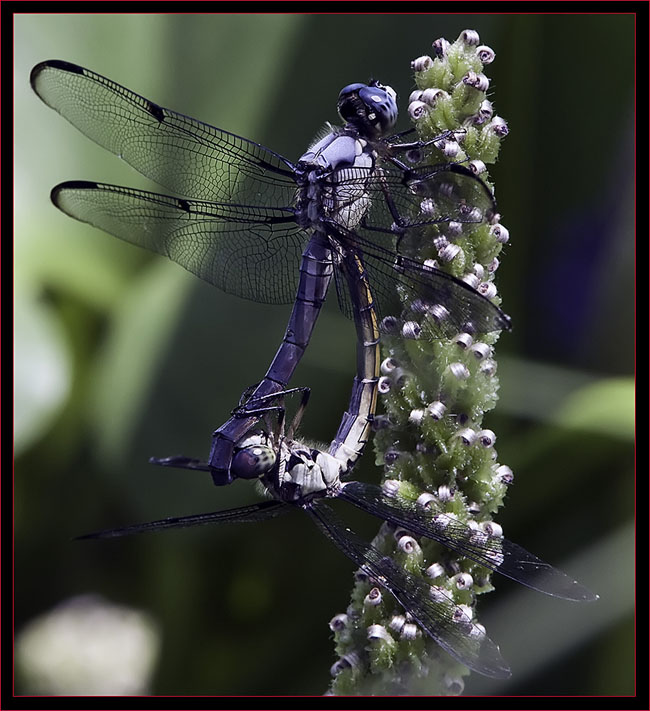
370,108
253,457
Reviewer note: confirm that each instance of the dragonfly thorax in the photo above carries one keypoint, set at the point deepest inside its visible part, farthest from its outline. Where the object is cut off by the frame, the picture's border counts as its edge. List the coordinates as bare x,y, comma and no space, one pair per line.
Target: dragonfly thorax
306,474
333,175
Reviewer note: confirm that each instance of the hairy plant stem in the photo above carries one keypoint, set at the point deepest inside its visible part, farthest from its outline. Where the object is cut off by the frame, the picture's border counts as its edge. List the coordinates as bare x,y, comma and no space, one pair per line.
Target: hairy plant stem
431,438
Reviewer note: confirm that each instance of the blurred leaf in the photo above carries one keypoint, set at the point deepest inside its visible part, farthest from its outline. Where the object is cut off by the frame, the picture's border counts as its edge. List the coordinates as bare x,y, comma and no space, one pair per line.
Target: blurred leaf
606,406
75,259
42,365
567,397
142,325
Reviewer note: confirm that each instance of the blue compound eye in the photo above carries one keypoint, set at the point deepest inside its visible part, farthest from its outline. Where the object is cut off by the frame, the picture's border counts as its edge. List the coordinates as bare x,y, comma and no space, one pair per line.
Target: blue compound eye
252,462
381,100
370,108
350,89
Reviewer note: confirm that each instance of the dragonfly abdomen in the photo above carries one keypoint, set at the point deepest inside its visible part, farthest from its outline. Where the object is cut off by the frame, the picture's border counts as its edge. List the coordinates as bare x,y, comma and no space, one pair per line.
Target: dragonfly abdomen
355,428
315,276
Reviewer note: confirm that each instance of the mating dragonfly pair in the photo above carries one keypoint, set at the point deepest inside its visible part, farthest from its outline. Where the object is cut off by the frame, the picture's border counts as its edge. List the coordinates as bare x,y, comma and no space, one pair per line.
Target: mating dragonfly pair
350,210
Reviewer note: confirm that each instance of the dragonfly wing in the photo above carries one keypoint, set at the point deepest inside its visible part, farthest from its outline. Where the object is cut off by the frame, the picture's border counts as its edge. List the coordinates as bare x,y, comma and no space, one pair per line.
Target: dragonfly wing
439,303
437,613
498,554
436,195
260,511
186,156
236,248
396,241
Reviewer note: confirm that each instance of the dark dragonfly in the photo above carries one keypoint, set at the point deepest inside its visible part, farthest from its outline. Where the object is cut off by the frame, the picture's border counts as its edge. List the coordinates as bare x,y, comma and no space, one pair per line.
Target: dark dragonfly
297,476
248,216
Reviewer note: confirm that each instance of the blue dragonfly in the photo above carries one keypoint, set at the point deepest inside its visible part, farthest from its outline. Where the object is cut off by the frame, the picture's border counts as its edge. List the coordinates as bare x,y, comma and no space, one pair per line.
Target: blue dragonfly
260,226
297,476
351,209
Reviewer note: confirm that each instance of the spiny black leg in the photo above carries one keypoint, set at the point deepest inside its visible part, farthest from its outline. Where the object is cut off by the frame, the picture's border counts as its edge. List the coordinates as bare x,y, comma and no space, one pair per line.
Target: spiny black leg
411,145
255,406
299,413
245,396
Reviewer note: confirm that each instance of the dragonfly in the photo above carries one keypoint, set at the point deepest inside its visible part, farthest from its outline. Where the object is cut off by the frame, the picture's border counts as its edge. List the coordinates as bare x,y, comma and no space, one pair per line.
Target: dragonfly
298,476
266,228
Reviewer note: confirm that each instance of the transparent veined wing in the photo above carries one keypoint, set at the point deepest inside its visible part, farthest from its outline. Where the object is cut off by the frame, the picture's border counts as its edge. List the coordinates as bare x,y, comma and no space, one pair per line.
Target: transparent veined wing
252,252
395,243
432,608
260,511
495,553
187,156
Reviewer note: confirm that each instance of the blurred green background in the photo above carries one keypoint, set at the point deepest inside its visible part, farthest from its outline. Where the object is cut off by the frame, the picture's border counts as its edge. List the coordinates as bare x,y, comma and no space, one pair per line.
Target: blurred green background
121,355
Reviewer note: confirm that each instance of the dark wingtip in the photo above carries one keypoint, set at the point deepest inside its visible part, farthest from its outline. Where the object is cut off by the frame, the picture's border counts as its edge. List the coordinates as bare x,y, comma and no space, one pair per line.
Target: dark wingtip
53,64
33,75
70,185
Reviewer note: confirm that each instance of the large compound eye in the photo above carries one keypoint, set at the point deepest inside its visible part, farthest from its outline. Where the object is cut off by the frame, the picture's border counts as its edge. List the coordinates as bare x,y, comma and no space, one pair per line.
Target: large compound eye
371,108
348,102
381,101
252,462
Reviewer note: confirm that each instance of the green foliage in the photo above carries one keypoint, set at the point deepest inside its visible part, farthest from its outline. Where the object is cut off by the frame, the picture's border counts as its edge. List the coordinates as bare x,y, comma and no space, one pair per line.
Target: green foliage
605,406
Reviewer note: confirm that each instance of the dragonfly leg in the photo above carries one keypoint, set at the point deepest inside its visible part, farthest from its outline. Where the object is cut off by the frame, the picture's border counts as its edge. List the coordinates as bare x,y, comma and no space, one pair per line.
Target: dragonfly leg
247,410
246,394
414,145
396,148
256,405
306,392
